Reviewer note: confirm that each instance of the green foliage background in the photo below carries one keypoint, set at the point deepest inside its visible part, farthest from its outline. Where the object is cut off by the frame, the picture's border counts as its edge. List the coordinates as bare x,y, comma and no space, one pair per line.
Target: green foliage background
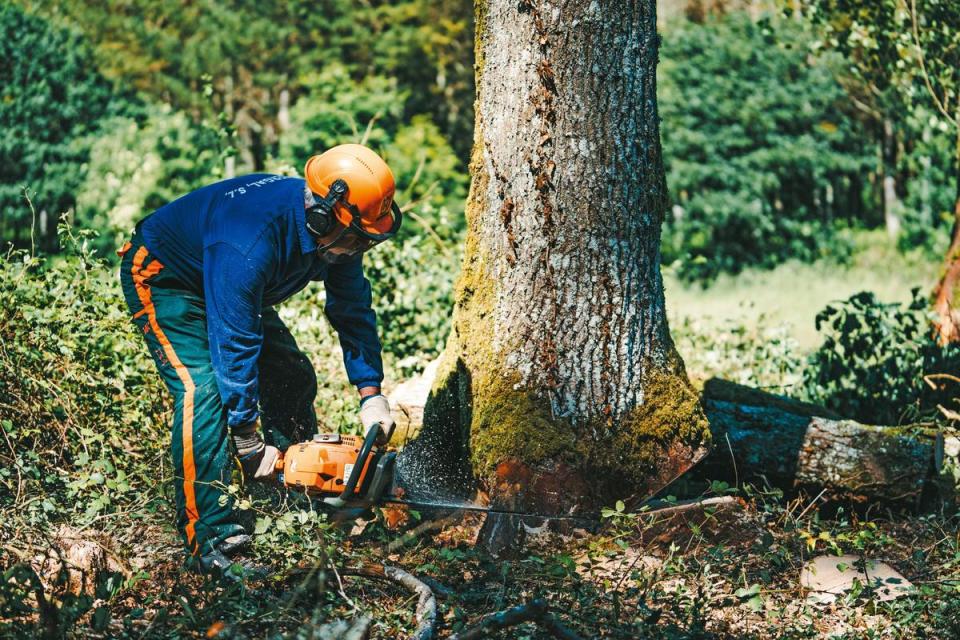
52,99
110,109
764,162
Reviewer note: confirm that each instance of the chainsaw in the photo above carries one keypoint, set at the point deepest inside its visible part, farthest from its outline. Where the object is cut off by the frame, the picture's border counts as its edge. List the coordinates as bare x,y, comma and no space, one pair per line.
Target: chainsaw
349,475
342,471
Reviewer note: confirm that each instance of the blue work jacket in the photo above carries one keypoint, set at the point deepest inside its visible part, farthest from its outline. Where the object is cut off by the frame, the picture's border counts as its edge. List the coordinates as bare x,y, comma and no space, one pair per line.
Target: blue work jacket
242,244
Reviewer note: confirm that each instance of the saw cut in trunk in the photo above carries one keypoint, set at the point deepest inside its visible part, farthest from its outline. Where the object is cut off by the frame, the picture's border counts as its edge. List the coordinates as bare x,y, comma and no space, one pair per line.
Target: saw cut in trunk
560,389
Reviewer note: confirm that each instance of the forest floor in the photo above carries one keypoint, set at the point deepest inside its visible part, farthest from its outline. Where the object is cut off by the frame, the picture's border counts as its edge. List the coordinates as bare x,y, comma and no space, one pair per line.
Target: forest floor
724,572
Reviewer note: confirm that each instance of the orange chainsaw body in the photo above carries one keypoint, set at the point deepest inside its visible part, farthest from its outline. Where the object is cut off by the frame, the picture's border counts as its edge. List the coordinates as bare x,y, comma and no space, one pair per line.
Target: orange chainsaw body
323,465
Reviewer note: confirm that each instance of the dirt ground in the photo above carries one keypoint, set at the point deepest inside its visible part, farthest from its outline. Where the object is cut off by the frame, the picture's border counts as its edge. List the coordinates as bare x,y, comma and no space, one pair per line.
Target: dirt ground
730,570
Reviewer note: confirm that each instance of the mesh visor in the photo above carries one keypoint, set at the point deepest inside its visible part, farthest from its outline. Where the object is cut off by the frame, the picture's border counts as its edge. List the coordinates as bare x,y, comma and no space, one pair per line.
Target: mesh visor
354,240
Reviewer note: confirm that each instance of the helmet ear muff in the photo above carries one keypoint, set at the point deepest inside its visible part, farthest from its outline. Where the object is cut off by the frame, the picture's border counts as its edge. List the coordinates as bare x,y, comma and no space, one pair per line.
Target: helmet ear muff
321,219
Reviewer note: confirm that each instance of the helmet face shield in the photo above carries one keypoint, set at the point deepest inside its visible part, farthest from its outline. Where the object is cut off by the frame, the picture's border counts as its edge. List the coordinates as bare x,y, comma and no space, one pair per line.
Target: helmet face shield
353,239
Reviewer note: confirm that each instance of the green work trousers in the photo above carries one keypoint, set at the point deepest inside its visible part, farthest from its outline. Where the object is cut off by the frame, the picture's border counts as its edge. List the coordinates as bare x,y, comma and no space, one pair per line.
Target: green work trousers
173,321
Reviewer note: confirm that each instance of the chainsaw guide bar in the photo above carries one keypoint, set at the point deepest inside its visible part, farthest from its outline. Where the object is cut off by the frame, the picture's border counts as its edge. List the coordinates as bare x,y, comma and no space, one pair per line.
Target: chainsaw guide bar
352,473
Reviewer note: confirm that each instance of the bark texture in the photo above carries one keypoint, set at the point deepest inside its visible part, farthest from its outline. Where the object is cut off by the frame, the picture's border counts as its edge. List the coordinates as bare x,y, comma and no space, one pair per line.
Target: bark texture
791,444
560,386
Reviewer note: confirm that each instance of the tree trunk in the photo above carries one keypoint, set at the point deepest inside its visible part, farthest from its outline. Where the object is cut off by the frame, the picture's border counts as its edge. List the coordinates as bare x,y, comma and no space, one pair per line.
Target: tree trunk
946,295
283,111
560,388
891,201
791,444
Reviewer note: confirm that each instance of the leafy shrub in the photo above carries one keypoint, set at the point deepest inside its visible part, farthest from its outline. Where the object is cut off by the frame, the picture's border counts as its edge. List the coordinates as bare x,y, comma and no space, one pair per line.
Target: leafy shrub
136,167
52,99
874,356
931,189
413,287
77,392
762,162
338,109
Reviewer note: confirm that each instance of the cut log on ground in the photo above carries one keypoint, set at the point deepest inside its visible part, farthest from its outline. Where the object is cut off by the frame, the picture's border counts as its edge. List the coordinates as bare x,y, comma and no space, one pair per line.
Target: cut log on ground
788,444
792,444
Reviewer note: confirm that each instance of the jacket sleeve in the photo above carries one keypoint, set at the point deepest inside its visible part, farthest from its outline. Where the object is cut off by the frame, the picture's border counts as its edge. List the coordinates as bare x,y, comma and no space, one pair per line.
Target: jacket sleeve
233,289
350,311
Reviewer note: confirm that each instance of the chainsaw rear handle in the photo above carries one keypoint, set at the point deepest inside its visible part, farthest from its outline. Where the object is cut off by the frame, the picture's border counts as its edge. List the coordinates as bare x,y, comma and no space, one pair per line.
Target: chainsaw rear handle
368,444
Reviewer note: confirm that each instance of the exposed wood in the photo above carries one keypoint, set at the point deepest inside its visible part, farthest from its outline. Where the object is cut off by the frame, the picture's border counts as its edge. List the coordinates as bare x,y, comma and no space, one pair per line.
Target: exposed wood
946,295
793,444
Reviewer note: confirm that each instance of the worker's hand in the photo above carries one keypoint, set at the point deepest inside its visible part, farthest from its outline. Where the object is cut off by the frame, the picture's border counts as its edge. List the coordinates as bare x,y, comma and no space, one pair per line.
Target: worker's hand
376,410
257,459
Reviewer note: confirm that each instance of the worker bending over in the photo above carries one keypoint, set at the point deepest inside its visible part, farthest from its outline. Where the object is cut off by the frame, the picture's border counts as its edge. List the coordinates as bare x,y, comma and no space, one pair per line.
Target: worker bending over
201,276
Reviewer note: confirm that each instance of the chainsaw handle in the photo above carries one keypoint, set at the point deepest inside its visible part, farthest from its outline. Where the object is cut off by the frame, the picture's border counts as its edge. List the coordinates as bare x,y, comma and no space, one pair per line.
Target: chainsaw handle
368,443
389,435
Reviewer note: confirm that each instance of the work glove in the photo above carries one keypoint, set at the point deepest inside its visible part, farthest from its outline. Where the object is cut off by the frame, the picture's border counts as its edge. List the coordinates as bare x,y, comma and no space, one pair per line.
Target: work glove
373,410
257,459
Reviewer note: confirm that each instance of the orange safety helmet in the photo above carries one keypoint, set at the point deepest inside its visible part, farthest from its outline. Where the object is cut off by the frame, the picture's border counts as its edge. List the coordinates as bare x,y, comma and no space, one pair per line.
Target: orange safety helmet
368,202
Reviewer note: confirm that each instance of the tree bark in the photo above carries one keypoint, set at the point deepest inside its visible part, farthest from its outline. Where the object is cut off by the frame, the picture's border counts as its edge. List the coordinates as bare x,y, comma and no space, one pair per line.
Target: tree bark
888,163
795,445
792,444
560,388
946,295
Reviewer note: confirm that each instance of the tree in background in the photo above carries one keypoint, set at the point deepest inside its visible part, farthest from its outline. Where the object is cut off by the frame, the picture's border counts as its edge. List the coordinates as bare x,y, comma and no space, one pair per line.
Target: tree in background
52,99
763,158
137,165
560,387
913,46
258,58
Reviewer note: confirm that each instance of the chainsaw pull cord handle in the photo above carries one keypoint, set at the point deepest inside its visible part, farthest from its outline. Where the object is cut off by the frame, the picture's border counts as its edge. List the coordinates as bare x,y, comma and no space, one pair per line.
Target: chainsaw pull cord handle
368,443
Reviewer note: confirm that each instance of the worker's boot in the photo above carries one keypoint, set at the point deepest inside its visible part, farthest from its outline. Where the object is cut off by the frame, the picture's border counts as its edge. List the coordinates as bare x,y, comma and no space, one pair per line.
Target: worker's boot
224,563
235,544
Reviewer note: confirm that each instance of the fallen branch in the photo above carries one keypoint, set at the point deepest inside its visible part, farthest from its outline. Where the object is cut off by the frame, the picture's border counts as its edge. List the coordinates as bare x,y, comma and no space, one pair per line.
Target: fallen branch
664,508
533,611
419,530
355,629
426,613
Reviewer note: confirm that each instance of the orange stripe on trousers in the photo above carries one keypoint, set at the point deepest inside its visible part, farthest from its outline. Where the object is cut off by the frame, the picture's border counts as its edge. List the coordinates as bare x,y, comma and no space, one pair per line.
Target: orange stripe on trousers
140,276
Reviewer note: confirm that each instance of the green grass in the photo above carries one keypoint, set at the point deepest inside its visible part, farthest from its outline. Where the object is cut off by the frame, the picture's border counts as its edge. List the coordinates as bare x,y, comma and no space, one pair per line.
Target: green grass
794,293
